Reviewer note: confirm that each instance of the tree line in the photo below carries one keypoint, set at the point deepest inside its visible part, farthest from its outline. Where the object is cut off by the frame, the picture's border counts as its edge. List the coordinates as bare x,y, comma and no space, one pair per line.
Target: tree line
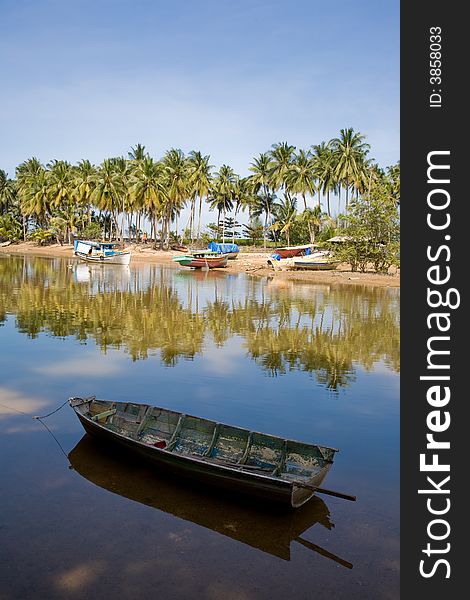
288,195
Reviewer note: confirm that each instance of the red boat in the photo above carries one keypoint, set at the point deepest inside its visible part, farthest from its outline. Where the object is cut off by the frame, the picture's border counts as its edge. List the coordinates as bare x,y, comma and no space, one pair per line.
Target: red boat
202,260
290,251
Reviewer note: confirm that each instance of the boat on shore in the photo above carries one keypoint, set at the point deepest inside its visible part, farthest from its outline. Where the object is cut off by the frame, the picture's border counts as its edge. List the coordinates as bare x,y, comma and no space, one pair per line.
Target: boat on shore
278,470
101,252
202,259
291,251
321,260
318,261
231,250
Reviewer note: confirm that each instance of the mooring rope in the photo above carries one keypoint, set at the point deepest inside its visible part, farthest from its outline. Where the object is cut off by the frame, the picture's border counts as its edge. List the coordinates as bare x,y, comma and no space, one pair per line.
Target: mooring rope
15,409
51,413
56,440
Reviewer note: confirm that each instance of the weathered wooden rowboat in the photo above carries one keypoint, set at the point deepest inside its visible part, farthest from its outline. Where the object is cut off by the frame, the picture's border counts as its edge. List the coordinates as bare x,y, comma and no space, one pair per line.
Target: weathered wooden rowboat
202,260
269,467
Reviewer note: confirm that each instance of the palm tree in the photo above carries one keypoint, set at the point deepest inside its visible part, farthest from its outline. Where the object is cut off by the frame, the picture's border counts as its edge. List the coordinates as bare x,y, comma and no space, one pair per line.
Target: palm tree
286,215
84,181
281,156
265,204
325,171
33,192
61,193
349,151
147,191
109,190
177,188
300,178
314,218
261,169
137,153
7,191
200,180
222,193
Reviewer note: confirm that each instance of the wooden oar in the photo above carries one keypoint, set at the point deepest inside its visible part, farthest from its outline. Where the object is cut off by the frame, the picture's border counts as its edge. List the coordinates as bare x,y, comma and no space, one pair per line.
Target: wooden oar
323,552
320,490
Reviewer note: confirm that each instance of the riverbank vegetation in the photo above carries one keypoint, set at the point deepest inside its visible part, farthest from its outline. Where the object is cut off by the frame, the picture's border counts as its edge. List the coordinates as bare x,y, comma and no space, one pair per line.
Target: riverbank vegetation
287,199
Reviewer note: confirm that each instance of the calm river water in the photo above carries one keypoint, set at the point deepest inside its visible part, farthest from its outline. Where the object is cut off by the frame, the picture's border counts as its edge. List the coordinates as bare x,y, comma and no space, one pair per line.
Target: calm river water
313,363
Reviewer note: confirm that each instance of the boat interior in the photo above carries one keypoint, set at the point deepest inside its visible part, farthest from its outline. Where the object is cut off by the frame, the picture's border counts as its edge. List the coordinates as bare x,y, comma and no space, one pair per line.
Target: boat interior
211,442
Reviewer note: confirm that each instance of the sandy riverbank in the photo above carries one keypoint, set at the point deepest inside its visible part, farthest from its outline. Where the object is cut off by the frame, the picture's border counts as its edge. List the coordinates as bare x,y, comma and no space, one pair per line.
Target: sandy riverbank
247,262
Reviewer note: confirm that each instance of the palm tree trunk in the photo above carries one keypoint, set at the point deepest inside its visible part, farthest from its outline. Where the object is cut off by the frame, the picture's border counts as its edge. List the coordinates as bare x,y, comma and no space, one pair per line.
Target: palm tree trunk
328,201
199,218
223,228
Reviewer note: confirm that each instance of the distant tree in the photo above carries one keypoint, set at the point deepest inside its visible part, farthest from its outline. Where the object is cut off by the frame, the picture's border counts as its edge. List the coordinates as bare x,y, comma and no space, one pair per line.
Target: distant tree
372,232
254,231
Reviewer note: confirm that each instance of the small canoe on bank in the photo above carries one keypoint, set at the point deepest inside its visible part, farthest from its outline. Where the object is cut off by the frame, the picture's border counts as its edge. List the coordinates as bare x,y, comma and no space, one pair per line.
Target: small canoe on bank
204,259
275,469
101,253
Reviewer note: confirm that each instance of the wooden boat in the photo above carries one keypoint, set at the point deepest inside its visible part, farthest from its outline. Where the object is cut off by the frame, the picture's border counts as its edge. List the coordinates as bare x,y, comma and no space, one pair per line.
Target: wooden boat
316,261
271,531
319,261
269,467
101,252
179,248
290,251
231,250
203,259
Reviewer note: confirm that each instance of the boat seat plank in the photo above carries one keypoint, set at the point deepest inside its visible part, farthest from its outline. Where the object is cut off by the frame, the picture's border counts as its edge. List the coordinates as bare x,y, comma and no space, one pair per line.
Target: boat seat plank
195,437
104,415
230,444
174,437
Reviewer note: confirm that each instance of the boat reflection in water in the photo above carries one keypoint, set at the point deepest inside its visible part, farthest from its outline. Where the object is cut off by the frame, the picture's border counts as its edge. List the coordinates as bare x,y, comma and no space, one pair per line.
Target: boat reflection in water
270,531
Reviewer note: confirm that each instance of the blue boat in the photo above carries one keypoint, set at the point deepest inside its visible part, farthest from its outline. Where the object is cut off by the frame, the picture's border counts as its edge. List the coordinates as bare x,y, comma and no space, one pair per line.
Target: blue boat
231,250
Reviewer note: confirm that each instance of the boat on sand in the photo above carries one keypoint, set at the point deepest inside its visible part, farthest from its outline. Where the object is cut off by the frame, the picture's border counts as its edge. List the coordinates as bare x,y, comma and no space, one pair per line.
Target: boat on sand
290,251
204,259
101,252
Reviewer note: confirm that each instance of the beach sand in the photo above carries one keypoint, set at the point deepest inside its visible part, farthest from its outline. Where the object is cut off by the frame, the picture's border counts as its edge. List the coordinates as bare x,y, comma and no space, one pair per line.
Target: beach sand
253,263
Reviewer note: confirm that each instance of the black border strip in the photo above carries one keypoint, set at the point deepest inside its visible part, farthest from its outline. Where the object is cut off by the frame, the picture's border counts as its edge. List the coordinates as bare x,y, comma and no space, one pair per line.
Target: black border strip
425,128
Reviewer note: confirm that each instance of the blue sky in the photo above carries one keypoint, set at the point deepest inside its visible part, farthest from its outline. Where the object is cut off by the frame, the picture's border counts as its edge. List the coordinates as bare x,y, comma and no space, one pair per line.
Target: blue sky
90,79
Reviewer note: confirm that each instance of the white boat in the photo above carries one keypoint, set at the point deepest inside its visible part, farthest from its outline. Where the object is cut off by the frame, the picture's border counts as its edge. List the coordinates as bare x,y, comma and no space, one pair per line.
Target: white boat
316,261
101,252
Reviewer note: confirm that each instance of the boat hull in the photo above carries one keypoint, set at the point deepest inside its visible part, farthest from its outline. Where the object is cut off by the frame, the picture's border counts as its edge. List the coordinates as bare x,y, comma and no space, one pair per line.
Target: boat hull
132,427
315,266
203,473
122,258
202,263
291,251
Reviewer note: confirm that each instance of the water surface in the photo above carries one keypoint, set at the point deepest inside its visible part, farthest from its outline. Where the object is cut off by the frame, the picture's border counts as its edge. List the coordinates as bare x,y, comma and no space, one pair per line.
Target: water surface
314,363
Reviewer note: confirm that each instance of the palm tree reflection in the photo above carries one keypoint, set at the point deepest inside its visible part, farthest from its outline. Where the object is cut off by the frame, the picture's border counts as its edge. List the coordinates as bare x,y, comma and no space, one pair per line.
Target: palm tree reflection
325,332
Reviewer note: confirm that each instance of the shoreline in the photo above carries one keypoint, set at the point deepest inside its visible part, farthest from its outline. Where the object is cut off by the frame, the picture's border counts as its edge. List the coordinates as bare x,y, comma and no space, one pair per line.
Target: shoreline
251,263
